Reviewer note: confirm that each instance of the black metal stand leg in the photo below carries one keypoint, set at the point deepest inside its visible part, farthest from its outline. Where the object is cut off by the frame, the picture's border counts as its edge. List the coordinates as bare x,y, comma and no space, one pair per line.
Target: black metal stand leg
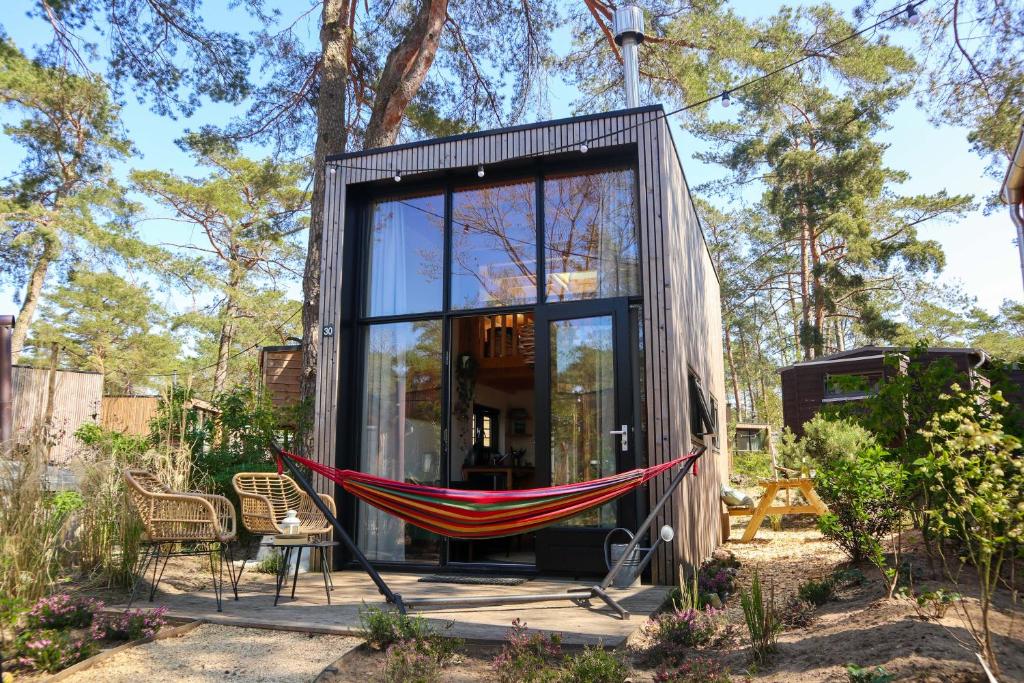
140,569
300,479
295,577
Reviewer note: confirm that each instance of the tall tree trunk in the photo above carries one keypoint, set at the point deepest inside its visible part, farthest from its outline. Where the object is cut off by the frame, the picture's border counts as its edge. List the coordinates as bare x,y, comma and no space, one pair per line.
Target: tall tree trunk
794,315
732,375
404,71
818,290
330,139
805,293
227,335
51,249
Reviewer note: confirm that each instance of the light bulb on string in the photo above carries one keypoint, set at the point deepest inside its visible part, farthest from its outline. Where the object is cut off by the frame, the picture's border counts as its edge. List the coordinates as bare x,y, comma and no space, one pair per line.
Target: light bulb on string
398,176
480,171
913,16
584,148
726,99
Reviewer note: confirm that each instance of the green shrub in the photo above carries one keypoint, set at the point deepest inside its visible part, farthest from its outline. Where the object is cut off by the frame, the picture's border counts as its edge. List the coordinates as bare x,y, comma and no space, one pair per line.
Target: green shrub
528,657
816,592
848,576
756,465
51,650
595,665
827,439
272,564
417,661
384,628
937,602
62,611
864,494
798,613
696,670
858,674
123,448
762,620
129,625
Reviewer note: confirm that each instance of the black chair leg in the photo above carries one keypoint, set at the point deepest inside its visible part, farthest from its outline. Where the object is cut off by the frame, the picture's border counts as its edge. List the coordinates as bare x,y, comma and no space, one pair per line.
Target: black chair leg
158,578
217,585
139,571
327,575
232,576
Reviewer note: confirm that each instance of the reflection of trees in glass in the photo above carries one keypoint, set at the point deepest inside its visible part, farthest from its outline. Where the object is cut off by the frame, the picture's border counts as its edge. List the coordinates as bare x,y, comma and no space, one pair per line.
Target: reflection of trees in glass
405,255
590,235
402,428
494,245
583,407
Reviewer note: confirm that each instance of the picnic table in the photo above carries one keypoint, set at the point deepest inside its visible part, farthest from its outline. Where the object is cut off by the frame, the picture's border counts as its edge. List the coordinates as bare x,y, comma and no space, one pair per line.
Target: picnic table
765,505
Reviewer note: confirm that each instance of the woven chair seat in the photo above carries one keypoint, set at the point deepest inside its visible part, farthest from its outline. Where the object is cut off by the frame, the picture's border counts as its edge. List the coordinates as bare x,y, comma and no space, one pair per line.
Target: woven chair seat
179,516
266,498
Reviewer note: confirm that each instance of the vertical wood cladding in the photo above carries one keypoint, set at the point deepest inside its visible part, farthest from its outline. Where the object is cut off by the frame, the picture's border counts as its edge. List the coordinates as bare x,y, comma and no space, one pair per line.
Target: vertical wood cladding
681,309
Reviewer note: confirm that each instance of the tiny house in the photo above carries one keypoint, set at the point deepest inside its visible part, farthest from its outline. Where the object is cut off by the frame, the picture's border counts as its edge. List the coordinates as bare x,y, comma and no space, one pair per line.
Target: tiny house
520,308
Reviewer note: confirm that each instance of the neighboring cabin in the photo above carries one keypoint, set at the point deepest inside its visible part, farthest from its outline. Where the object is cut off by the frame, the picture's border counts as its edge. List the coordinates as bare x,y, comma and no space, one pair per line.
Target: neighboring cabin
854,375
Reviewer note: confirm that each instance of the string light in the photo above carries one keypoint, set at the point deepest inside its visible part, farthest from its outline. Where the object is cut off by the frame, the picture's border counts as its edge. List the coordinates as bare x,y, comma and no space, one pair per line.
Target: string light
913,16
908,11
480,171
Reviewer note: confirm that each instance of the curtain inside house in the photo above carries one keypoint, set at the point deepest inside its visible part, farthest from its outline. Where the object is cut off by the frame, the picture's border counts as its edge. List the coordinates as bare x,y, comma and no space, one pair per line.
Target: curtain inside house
401,440
406,248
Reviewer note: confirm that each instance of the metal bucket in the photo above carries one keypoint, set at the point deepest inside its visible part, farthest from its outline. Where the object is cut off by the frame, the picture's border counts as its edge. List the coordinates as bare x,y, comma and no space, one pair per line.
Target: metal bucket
629,574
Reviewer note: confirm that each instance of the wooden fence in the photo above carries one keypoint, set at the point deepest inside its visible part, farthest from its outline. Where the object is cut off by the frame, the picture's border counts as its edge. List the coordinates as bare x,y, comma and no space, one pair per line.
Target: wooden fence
77,400
133,414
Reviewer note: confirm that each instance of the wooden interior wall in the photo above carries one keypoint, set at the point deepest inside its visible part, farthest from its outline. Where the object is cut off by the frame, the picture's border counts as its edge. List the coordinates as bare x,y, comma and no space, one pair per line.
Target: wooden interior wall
681,300
77,401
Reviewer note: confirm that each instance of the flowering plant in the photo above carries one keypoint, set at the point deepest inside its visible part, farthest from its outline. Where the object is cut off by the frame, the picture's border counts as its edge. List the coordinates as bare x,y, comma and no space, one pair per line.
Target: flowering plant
130,625
50,651
61,610
526,656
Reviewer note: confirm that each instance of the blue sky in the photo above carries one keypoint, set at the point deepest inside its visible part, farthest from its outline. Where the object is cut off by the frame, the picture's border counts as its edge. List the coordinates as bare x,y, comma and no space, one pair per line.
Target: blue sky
981,256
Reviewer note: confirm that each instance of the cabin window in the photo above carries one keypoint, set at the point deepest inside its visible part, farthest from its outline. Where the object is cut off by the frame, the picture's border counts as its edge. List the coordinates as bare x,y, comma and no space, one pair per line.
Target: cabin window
852,385
748,440
701,422
401,425
405,250
590,236
494,245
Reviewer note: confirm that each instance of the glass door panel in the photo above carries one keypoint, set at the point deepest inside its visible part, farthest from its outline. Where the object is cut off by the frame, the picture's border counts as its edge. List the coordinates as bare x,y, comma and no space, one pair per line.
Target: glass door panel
583,415
401,423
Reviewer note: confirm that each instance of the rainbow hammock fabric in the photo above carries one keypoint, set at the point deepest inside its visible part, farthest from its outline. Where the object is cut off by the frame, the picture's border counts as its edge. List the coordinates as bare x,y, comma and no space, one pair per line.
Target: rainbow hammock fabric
458,513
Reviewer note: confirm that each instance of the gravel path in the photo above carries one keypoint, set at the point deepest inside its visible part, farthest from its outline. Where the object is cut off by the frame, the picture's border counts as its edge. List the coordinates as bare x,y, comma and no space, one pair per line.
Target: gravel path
224,653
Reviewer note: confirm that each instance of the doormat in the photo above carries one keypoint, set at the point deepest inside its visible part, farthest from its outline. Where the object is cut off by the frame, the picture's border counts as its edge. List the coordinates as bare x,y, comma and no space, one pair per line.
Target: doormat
474,580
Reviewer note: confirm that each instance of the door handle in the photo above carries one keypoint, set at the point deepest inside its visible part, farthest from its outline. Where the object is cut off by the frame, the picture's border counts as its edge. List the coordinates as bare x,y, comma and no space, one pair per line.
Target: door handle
624,437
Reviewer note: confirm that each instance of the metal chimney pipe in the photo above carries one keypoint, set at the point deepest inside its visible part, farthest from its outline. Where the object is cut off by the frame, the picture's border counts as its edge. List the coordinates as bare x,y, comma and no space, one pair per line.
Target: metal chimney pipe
6,378
628,23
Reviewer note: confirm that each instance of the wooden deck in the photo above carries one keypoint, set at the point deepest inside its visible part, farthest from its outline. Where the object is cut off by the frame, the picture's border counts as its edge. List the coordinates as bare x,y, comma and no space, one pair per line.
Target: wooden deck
310,612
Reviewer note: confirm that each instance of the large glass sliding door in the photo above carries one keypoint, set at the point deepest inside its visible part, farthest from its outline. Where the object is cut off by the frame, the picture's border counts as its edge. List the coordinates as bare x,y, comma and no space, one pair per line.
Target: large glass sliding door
503,302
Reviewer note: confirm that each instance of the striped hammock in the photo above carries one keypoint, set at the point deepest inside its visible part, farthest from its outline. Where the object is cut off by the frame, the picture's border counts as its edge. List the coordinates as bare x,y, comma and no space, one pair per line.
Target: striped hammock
458,513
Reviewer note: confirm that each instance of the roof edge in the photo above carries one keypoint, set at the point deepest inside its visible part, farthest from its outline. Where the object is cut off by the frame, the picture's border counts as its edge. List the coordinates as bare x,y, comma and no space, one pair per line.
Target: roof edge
492,131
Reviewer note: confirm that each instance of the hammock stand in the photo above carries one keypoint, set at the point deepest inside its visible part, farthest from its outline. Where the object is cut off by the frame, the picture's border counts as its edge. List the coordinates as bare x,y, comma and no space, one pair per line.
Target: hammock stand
580,597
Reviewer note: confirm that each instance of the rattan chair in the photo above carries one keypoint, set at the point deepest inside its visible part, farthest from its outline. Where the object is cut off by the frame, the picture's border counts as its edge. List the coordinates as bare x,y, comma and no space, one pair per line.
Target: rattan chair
179,524
266,498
